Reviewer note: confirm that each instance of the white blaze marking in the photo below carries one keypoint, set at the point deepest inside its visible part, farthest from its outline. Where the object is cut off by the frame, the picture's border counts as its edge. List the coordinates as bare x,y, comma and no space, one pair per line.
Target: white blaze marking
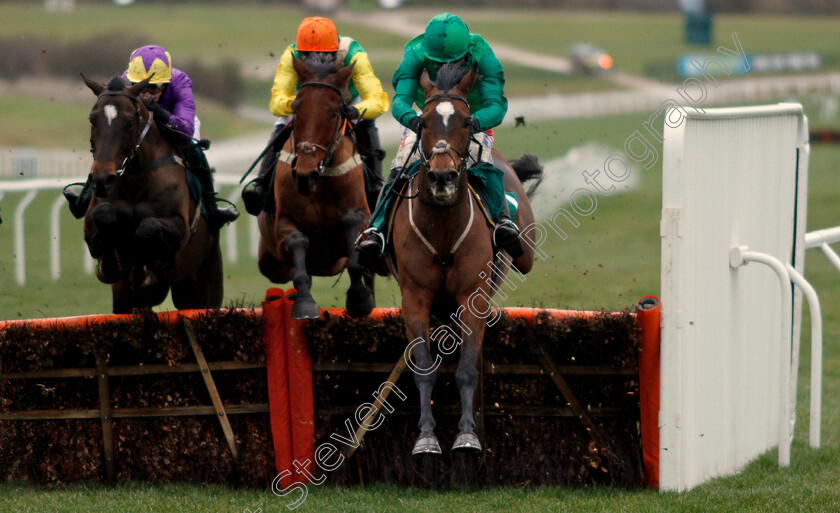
110,113
445,109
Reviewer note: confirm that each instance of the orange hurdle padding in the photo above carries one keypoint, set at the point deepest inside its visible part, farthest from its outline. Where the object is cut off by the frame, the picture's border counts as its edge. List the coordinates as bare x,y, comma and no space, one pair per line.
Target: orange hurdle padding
528,313
83,321
274,317
377,314
647,316
301,402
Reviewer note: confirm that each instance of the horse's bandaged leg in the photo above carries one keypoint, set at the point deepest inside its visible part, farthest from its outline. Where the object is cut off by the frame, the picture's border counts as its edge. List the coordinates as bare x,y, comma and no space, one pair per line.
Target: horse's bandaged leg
360,301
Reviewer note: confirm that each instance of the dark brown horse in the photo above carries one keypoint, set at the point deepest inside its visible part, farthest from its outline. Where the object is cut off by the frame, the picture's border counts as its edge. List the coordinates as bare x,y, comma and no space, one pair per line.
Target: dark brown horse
142,226
444,254
319,197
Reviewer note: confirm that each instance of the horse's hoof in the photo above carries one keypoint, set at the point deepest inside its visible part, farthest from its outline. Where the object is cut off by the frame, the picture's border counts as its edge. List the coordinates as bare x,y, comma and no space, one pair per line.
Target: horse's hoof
151,278
107,270
466,442
360,302
426,445
305,308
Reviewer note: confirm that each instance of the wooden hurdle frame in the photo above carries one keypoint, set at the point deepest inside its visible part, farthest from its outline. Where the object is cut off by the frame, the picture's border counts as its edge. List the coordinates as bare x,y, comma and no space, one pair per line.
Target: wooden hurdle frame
289,370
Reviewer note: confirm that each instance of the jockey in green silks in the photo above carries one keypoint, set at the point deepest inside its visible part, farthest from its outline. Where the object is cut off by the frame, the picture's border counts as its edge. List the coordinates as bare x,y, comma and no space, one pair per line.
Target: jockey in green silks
446,39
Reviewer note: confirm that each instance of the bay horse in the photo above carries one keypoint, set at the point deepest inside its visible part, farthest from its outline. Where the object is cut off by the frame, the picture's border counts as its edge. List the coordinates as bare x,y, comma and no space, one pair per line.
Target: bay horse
441,255
143,227
320,202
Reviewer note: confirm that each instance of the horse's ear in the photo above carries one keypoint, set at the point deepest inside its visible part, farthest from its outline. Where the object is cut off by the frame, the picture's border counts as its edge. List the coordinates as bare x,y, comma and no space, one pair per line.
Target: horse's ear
468,81
342,76
302,70
96,87
135,89
426,83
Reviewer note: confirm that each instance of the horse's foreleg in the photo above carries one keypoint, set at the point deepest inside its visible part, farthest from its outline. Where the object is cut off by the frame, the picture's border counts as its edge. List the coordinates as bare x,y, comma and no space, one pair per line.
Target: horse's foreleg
107,268
101,229
121,296
359,297
416,307
466,377
304,306
158,242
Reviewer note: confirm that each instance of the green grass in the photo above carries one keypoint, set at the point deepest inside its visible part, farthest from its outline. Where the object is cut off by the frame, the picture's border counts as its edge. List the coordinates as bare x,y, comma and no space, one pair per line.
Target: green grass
608,262
37,123
637,40
807,486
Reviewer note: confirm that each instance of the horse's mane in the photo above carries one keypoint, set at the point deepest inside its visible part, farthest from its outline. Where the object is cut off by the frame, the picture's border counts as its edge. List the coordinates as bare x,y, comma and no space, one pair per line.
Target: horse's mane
117,83
322,63
450,74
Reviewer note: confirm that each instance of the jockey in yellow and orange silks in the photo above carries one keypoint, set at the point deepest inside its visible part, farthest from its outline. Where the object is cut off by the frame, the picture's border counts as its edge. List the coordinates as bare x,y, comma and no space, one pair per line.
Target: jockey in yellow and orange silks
319,35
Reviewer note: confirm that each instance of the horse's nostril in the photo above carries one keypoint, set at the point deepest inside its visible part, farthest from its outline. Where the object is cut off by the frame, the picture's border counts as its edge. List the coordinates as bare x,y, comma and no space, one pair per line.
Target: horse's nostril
451,176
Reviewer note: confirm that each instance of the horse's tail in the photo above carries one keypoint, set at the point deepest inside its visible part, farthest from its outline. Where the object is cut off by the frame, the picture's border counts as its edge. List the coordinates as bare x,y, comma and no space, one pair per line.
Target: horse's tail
528,167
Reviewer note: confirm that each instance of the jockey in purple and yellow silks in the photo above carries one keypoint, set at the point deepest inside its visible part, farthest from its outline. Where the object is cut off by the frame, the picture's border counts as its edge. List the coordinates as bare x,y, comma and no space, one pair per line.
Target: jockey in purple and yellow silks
319,35
169,98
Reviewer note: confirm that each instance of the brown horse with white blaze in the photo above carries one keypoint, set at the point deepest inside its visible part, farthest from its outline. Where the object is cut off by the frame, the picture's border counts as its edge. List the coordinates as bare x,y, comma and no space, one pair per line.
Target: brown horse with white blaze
442,248
320,205
142,225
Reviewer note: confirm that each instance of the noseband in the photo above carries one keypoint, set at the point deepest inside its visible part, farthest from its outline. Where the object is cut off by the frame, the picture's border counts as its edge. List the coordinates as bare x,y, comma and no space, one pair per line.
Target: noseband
308,148
133,153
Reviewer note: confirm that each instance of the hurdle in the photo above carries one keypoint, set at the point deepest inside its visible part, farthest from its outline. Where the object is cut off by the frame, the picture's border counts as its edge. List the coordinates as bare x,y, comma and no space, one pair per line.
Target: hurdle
734,191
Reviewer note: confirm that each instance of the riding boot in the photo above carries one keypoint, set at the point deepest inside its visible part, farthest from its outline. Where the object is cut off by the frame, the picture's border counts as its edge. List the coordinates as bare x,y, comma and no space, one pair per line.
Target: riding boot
506,234
197,164
367,139
80,202
255,194
373,245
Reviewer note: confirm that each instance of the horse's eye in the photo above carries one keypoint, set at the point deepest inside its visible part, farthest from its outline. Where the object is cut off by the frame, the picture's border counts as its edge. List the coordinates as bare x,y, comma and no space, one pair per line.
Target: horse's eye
130,123
90,118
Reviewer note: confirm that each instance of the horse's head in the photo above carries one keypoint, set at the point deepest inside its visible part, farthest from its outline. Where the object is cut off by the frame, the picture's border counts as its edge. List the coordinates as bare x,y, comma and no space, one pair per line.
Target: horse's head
445,137
118,124
319,122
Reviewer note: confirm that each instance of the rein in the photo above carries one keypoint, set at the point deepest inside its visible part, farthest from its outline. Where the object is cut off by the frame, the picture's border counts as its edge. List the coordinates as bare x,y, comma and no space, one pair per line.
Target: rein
308,148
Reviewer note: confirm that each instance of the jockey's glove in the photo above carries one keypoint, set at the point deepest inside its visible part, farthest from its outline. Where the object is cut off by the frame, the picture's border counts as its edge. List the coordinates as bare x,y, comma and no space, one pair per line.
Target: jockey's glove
415,124
350,112
160,114
473,125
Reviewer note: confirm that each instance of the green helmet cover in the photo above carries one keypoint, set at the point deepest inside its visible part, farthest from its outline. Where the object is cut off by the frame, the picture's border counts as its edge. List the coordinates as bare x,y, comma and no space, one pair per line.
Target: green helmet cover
447,38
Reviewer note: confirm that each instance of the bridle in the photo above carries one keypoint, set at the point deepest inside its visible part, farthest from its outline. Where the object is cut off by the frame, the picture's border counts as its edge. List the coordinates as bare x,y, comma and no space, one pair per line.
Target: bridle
443,146
440,148
143,133
449,150
308,148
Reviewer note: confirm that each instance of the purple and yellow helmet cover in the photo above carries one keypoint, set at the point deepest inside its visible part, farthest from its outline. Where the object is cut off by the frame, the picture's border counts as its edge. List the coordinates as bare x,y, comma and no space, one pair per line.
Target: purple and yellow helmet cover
148,60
